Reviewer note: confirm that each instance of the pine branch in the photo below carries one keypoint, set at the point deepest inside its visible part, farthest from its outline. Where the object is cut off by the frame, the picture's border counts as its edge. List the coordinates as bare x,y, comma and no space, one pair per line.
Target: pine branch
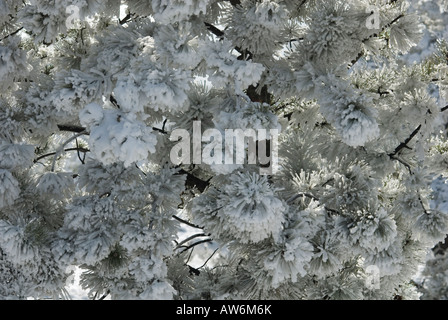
78,129
160,130
71,128
214,30
196,243
220,34
197,235
208,259
403,163
11,34
79,153
421,203
61,149
302,4
84,150
405,143
126,19
186,222
373,36
391,23
301,195
309,195
402,146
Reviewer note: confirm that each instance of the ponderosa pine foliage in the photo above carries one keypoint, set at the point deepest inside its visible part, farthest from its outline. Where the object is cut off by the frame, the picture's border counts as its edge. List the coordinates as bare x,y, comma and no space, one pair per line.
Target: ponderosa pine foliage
88,106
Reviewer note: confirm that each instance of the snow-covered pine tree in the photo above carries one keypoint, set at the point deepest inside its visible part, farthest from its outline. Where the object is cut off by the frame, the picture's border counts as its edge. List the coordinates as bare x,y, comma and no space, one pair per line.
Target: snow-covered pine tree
91,92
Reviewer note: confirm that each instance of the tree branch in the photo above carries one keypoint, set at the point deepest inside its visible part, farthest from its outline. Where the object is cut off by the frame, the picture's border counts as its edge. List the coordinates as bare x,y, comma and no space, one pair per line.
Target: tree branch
375,35
11,34
196,243
301,195
197,235
214,30
66,150
405,143
220,34
61,149
421,203
402,146
159,130
126,19
71,128
309,195
301,4
78,151
186,222
208,259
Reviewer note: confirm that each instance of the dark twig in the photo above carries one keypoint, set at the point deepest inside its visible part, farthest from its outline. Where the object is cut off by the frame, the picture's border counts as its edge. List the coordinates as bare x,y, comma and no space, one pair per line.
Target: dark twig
11,34
197,235
105,295
159,130
196,243
208,259
405,143
423,206
302,3
214,30
79,153
186,222
65,150
245,54
71,128
126,19
402,146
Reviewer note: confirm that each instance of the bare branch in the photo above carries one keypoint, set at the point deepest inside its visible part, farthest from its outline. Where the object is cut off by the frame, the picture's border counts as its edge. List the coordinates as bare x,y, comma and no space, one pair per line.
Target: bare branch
72,128
405,143
79,153
126,19
186,222
65,150
11,34
214,30
197,235
196,243
208,259
61,149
